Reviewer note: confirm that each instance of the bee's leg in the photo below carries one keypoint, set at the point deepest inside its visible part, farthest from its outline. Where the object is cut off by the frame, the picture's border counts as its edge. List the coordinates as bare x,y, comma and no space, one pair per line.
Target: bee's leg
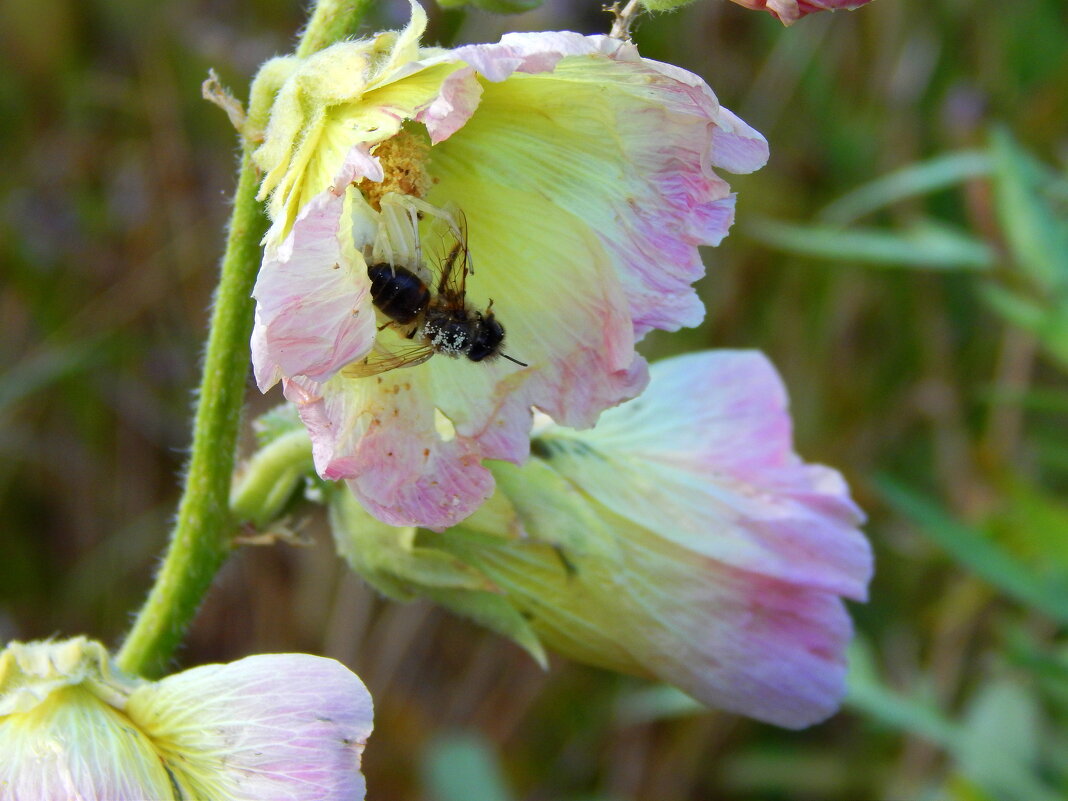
420,209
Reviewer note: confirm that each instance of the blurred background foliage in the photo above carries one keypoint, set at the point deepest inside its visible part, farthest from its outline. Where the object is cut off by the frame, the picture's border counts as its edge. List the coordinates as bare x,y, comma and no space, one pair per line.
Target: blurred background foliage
903,259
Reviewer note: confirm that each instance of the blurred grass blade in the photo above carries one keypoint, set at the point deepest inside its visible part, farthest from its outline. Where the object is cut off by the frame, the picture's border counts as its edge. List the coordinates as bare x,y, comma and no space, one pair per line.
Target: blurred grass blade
972,549
1047,320
868,695
916,179
1037,237
463,767
36,372
923,246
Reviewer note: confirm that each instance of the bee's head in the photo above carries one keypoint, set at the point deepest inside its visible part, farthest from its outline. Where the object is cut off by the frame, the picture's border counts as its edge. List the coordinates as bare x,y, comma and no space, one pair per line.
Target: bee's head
487,336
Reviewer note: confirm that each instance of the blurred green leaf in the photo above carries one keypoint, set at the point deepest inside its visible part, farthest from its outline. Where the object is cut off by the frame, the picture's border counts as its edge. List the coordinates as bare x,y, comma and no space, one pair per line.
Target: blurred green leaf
463,767
1046,320
496,6
1001,711
1038,399
868,695
1033,523
1047,665
1001,726
658,702
276,423
1037,237
38,371
923,246
916,179
974,550
1000,746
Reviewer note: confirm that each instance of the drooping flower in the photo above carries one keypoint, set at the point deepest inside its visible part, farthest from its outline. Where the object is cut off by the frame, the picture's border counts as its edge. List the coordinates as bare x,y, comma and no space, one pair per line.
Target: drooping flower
790,11
681,539
584,175
268,727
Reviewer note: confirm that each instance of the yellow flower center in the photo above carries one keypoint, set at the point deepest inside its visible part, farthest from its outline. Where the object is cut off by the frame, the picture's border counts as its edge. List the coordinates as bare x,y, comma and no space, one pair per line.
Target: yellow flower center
403,158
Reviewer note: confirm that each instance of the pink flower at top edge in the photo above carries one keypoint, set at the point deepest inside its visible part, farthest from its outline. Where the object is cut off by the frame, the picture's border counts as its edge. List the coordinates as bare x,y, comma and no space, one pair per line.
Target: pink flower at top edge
790,11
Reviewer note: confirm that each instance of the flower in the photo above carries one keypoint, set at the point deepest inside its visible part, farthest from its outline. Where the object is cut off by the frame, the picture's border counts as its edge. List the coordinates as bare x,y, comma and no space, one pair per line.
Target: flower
790,11
585,175
279,726
681,539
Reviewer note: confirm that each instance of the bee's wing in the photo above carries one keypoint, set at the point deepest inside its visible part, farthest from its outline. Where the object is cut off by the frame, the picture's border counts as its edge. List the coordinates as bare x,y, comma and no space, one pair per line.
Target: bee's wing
456,264
381,360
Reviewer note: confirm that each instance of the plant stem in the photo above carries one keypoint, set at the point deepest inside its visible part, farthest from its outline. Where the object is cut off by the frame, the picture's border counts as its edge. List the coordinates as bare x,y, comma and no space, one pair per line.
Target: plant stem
332,21
201,538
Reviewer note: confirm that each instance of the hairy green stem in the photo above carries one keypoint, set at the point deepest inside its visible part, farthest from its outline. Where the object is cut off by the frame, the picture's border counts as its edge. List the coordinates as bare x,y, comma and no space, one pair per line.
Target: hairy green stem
201,538
332,21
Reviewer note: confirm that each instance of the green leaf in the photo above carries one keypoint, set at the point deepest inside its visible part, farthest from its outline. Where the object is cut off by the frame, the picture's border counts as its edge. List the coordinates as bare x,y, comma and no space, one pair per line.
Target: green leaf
868,695
916,179
923,246
463,767
1000,744
973,549
1037,237
1033,523
1047,320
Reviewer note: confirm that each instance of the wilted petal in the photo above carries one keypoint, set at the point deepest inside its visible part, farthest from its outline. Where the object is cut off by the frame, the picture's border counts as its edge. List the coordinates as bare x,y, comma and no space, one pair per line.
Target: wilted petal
626,145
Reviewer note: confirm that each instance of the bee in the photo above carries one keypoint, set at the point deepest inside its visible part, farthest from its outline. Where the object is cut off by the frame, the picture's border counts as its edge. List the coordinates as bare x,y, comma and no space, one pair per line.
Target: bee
442,321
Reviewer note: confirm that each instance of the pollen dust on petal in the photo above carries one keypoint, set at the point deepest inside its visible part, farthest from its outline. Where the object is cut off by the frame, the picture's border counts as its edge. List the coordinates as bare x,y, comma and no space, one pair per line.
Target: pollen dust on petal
403,158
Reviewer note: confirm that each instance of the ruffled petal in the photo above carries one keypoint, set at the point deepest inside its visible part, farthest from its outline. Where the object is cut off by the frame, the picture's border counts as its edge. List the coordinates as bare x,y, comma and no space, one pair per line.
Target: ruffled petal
313,305
625,144
382,436
267,727
705,458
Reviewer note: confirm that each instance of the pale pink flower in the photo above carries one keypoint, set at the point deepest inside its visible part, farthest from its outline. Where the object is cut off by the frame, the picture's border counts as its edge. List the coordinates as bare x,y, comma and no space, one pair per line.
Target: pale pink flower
790,11
585,174
682,539
278,727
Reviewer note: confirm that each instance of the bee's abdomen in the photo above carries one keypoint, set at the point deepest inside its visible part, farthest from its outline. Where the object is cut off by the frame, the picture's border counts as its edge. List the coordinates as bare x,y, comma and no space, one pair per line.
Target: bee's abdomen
398,292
